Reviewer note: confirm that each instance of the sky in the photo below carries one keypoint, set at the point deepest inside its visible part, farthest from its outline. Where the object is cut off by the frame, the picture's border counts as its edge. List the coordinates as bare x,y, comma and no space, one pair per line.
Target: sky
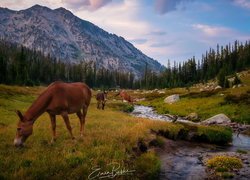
162,29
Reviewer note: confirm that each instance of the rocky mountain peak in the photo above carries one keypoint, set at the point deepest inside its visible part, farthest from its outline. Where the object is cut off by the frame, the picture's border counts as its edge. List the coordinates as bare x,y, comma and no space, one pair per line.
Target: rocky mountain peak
64,36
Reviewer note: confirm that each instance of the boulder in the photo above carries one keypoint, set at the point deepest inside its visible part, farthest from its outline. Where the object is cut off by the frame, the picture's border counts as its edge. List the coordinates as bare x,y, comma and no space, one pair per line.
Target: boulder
217,119
172,99
161,91
141,99
218,87
192,116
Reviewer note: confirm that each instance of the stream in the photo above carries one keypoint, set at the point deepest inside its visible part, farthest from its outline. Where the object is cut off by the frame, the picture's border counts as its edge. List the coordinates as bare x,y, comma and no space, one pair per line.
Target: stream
184,160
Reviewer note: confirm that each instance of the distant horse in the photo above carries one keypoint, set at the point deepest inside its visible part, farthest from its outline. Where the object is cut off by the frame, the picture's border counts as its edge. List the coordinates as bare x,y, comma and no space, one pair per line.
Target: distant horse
58,99
125,96
101,99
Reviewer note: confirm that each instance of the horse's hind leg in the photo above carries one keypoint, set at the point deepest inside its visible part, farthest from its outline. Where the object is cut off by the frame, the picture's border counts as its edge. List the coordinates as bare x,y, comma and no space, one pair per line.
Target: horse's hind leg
80,116
53,127
98,105
66,120
84,113
103,105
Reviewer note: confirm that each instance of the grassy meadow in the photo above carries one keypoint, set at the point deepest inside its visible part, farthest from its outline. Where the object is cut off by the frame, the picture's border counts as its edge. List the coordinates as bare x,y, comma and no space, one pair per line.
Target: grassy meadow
110,137
234,102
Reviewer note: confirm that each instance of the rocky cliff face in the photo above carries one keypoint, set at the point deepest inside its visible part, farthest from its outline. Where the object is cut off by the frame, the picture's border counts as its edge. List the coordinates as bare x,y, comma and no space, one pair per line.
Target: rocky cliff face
62,35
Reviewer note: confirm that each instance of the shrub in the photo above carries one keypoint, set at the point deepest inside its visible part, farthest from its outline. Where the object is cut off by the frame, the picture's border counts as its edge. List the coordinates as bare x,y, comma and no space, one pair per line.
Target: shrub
121,107
201,94
148,166
210,134
227,175
214,134
157,142
224,163
128,108
221,169
29,82
75,159
168,130
233,99
236,80
241,151
152,96
26,163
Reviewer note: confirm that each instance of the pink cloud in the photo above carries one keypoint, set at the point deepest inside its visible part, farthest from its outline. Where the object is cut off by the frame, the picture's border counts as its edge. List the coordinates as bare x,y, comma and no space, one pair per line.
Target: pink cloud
243,3
165,6
91,5
212,30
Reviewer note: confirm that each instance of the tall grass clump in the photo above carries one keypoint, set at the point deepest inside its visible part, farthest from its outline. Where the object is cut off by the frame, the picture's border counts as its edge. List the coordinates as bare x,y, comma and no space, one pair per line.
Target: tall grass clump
148,166
214,134
223,166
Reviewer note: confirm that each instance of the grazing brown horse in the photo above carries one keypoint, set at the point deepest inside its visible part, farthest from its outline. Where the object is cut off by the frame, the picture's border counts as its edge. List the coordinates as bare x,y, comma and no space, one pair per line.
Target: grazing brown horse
101,99
58,99
125,96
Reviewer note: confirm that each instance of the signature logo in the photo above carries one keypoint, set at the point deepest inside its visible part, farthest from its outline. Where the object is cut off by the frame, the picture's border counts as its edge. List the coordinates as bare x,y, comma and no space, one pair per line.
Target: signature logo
115,170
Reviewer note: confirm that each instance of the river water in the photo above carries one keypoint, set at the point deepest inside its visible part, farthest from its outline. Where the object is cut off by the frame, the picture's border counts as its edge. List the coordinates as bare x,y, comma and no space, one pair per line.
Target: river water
182,159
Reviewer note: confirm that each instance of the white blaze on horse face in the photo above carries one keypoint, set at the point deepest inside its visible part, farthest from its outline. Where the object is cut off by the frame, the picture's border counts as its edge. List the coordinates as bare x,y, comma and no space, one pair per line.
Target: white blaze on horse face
18,141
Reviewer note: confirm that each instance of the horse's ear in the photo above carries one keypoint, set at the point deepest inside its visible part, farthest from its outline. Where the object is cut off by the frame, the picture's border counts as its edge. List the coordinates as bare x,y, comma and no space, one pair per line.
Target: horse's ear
19,115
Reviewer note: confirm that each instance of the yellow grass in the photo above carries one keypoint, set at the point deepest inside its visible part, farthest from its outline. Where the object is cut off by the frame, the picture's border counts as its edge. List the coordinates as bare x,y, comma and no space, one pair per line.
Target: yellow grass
110,137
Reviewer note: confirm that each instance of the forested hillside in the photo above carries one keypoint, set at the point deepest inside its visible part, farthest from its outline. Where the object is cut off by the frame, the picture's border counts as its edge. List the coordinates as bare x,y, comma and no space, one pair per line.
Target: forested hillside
21,66
218,63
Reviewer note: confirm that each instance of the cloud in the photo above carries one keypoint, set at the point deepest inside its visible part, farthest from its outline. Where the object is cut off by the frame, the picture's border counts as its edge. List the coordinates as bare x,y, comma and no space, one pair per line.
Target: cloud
119,18
14,4
165,6
91,5
164,44
212,30
242,3
138,41
158,33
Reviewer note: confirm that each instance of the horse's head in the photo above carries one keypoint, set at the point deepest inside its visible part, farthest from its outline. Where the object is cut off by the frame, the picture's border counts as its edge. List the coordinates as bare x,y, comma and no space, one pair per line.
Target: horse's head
105,93
24,130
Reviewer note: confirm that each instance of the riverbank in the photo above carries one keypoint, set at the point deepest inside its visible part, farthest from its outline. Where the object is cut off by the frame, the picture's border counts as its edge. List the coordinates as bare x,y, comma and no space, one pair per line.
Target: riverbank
234,102
184,160
188,159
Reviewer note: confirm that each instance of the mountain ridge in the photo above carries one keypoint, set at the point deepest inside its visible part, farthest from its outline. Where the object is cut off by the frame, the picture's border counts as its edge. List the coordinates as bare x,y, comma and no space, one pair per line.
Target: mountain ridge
65,36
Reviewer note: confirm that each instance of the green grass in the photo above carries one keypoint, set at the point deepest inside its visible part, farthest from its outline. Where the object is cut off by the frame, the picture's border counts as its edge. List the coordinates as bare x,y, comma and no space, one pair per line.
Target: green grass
111,136
224,165
232,102
191,132
241,151
214,134
149,166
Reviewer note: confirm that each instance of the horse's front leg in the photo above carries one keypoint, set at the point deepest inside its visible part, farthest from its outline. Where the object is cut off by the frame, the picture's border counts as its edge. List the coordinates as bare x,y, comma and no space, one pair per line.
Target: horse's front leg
53,127
103,105
66,120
